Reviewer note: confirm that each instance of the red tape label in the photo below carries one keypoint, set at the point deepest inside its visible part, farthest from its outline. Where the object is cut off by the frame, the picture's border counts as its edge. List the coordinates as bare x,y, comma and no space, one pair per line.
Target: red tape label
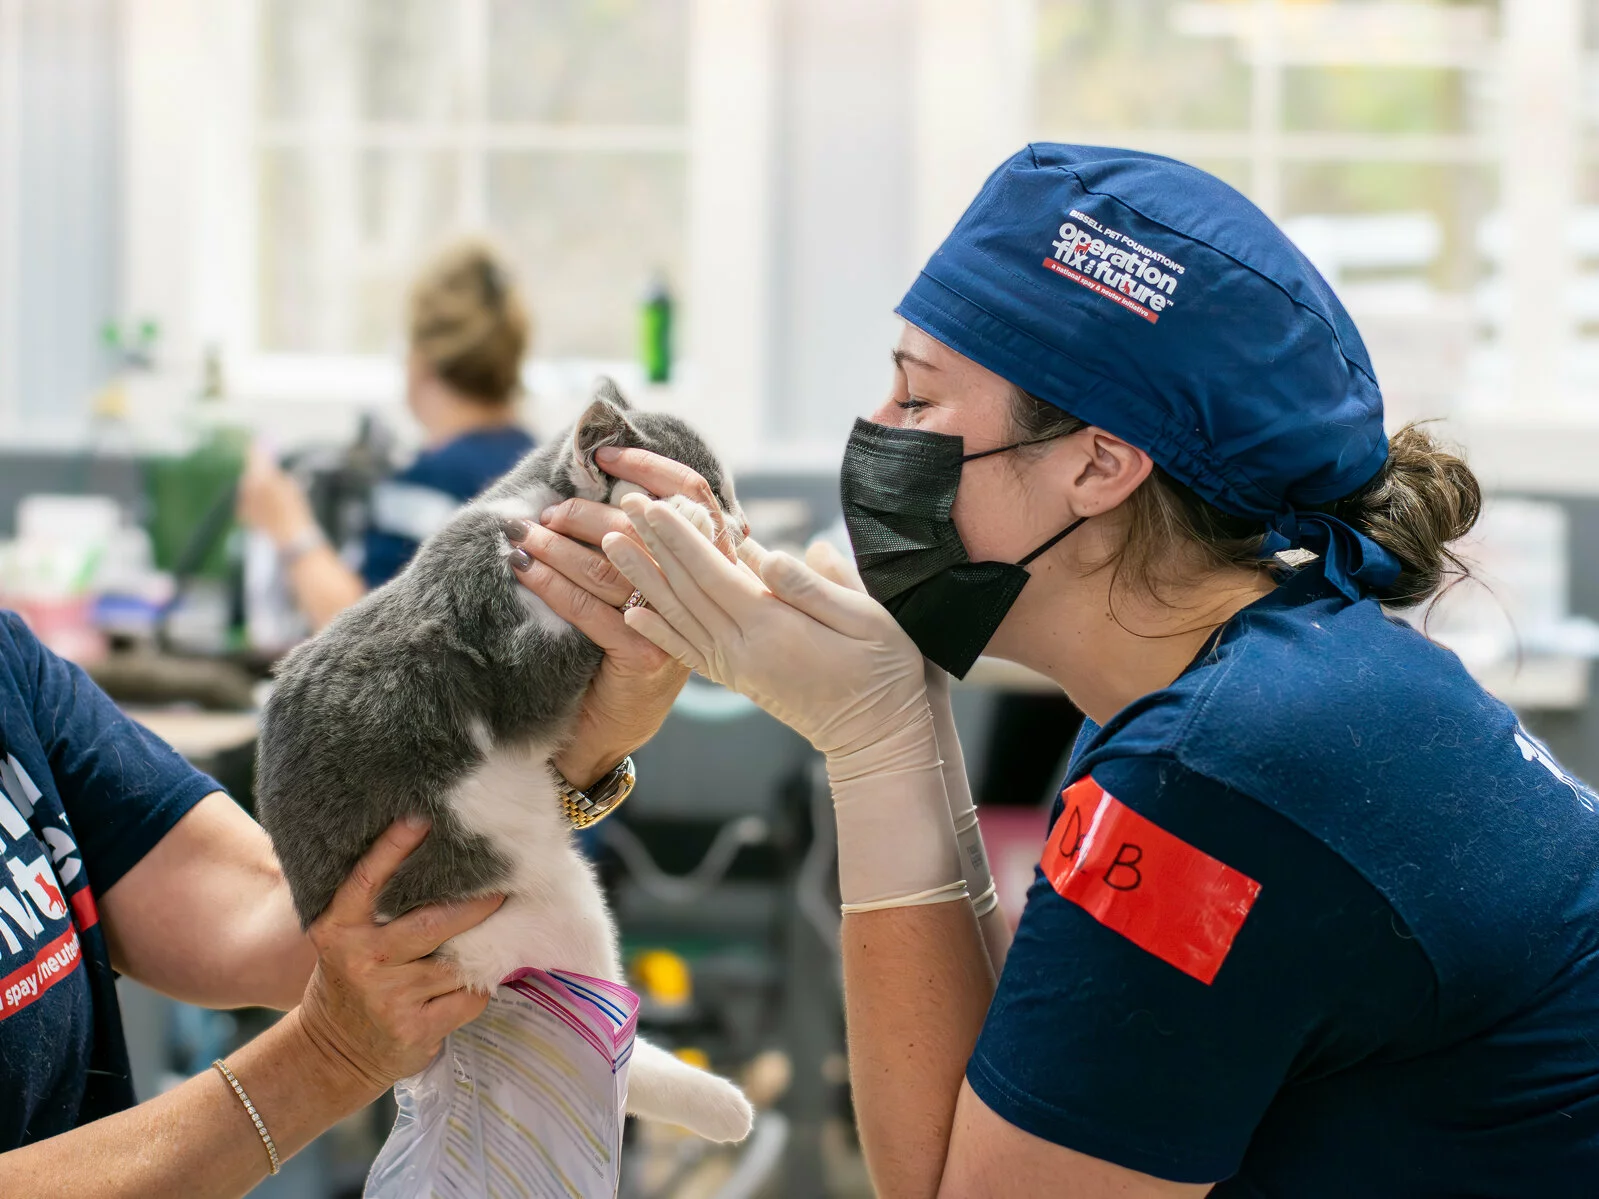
1135,878
84,914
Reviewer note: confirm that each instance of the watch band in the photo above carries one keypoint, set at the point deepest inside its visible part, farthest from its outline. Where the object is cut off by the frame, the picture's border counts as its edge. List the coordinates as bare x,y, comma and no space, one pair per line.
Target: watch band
583,809
302,543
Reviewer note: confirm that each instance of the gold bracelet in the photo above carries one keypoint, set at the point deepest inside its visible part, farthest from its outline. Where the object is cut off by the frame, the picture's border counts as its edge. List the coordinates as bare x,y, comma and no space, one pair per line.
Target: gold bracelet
266,1137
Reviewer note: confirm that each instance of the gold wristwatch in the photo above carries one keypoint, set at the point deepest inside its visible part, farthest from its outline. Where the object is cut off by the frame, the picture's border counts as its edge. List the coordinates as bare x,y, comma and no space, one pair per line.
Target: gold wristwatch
584,809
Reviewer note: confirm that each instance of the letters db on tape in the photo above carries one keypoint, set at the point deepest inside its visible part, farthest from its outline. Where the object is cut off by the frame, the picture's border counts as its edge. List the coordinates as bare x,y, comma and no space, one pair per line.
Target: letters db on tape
1135,878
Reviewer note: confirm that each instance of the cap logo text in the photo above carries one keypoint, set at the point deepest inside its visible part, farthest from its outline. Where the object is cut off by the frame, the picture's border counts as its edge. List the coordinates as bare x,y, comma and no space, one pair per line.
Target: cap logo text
1113,265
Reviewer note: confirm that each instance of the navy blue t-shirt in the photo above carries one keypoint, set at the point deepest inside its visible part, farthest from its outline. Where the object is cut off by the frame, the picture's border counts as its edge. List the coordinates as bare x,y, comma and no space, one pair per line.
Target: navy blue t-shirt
84,794
1319,919
417,502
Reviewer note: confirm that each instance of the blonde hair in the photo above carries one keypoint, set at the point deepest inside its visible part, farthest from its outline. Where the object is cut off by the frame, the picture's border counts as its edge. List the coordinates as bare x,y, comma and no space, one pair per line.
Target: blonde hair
468,322
1423,498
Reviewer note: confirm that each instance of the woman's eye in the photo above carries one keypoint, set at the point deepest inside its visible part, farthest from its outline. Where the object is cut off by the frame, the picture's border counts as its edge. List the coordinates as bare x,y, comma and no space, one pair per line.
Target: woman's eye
910,405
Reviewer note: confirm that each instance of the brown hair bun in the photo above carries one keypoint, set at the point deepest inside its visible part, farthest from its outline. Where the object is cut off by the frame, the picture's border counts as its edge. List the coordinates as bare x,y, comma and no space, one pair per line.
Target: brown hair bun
1423,498
468,322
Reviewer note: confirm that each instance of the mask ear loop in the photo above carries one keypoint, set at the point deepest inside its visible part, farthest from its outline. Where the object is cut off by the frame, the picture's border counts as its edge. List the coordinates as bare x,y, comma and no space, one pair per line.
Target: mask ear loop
1052,542
1004,449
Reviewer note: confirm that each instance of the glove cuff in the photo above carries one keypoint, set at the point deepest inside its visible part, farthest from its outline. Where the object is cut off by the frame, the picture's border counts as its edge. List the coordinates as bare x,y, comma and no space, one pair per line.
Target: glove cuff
896,841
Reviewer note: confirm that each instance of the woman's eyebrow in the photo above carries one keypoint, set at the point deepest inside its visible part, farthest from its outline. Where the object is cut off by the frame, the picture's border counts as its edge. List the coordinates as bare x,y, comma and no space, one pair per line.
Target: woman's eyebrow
901,357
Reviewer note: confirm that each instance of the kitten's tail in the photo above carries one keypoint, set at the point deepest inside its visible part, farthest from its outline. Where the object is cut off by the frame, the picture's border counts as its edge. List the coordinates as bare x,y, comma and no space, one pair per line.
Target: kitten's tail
662,1087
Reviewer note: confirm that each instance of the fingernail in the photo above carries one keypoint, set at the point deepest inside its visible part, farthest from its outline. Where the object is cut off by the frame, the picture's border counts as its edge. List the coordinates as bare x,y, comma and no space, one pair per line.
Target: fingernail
519,560
416,820
515,530
607,454
547,515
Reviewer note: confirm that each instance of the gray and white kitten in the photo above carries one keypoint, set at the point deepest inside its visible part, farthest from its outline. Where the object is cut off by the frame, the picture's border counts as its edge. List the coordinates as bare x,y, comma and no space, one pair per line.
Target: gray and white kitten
445,693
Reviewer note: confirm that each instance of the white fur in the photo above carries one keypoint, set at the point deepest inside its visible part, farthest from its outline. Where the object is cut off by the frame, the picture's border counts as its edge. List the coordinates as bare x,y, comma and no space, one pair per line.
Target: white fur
554,915
527,506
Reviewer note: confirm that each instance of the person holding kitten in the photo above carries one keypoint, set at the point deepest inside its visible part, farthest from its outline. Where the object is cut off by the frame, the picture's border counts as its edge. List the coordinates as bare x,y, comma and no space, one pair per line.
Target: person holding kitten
123,859
468,331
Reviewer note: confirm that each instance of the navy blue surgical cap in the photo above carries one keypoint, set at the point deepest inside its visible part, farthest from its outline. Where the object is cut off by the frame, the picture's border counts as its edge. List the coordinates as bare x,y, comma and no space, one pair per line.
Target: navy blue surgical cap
1147,297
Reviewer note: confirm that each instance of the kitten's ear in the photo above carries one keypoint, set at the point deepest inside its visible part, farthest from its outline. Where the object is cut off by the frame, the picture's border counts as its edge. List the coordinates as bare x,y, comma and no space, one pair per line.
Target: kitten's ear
605,388
604,422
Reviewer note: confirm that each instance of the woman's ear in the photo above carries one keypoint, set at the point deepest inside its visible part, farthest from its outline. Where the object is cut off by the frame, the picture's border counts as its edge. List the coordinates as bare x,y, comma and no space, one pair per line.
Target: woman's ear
1108,472
604,422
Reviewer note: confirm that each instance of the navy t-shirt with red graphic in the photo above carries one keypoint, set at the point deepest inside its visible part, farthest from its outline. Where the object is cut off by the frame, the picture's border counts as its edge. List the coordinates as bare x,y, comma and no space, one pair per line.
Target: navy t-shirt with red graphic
1319,919
84,794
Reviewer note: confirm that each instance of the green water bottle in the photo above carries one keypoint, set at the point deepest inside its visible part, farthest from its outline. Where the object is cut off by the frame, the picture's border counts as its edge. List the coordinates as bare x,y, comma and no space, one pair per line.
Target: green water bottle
655,331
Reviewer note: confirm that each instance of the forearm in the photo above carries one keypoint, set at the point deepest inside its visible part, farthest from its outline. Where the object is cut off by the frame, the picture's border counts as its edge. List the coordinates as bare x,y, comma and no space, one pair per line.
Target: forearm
323,585
917,984
917,979
197,1140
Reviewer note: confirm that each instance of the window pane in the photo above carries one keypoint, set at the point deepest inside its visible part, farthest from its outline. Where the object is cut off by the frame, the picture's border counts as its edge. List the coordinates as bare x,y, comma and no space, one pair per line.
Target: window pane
340,236
1348,99
1442,206
1123,64
407,59
586,232
305,54
343,61
606,61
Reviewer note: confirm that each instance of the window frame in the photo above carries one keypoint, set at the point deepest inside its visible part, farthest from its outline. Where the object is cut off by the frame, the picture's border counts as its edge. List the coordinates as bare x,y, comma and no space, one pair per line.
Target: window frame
1539,433
193,136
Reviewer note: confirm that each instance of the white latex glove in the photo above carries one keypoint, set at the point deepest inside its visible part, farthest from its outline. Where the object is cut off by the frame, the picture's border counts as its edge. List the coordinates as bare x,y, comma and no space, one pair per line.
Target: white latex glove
828,662
972,855
958,788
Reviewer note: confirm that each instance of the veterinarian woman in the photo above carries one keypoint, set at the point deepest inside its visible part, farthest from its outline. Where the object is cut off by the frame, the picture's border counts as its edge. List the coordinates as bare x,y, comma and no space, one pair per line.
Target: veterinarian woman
468,332
1314,915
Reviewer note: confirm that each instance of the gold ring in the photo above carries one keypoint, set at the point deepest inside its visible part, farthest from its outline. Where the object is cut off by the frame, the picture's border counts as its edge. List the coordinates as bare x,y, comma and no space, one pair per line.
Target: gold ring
636,600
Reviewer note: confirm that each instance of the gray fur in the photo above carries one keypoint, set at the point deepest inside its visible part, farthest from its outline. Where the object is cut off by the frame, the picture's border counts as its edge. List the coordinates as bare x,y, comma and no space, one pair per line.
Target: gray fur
383,712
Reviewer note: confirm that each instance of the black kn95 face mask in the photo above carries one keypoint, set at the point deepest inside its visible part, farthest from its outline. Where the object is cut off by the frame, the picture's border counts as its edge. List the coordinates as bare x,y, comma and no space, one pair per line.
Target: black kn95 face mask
897,487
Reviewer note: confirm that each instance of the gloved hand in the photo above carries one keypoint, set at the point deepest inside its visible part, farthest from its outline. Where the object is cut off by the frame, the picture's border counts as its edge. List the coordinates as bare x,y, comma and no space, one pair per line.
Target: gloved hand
972,855
830,663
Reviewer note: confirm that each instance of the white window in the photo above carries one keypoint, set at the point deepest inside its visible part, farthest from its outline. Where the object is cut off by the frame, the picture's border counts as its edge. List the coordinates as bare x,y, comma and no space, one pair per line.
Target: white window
383,126
289,164
1417,151
1362,127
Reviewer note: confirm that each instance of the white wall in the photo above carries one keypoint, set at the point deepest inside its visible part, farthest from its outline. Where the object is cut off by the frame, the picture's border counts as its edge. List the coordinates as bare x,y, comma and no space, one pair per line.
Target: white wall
845,209
59,227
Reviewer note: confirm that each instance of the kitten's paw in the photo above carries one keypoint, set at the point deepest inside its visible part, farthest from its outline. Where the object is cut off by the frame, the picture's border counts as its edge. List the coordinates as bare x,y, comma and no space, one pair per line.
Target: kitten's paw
662,1087
721,1113
695,514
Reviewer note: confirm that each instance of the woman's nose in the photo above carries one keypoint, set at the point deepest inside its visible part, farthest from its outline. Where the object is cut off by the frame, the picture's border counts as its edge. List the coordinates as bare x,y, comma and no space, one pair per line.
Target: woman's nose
887,413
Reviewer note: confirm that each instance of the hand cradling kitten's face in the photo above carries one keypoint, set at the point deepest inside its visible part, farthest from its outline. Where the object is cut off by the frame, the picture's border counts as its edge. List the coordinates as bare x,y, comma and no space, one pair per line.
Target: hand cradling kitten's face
610,421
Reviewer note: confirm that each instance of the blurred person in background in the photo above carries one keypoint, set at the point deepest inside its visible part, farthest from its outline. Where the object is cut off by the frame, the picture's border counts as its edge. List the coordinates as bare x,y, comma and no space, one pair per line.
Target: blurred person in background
468,331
